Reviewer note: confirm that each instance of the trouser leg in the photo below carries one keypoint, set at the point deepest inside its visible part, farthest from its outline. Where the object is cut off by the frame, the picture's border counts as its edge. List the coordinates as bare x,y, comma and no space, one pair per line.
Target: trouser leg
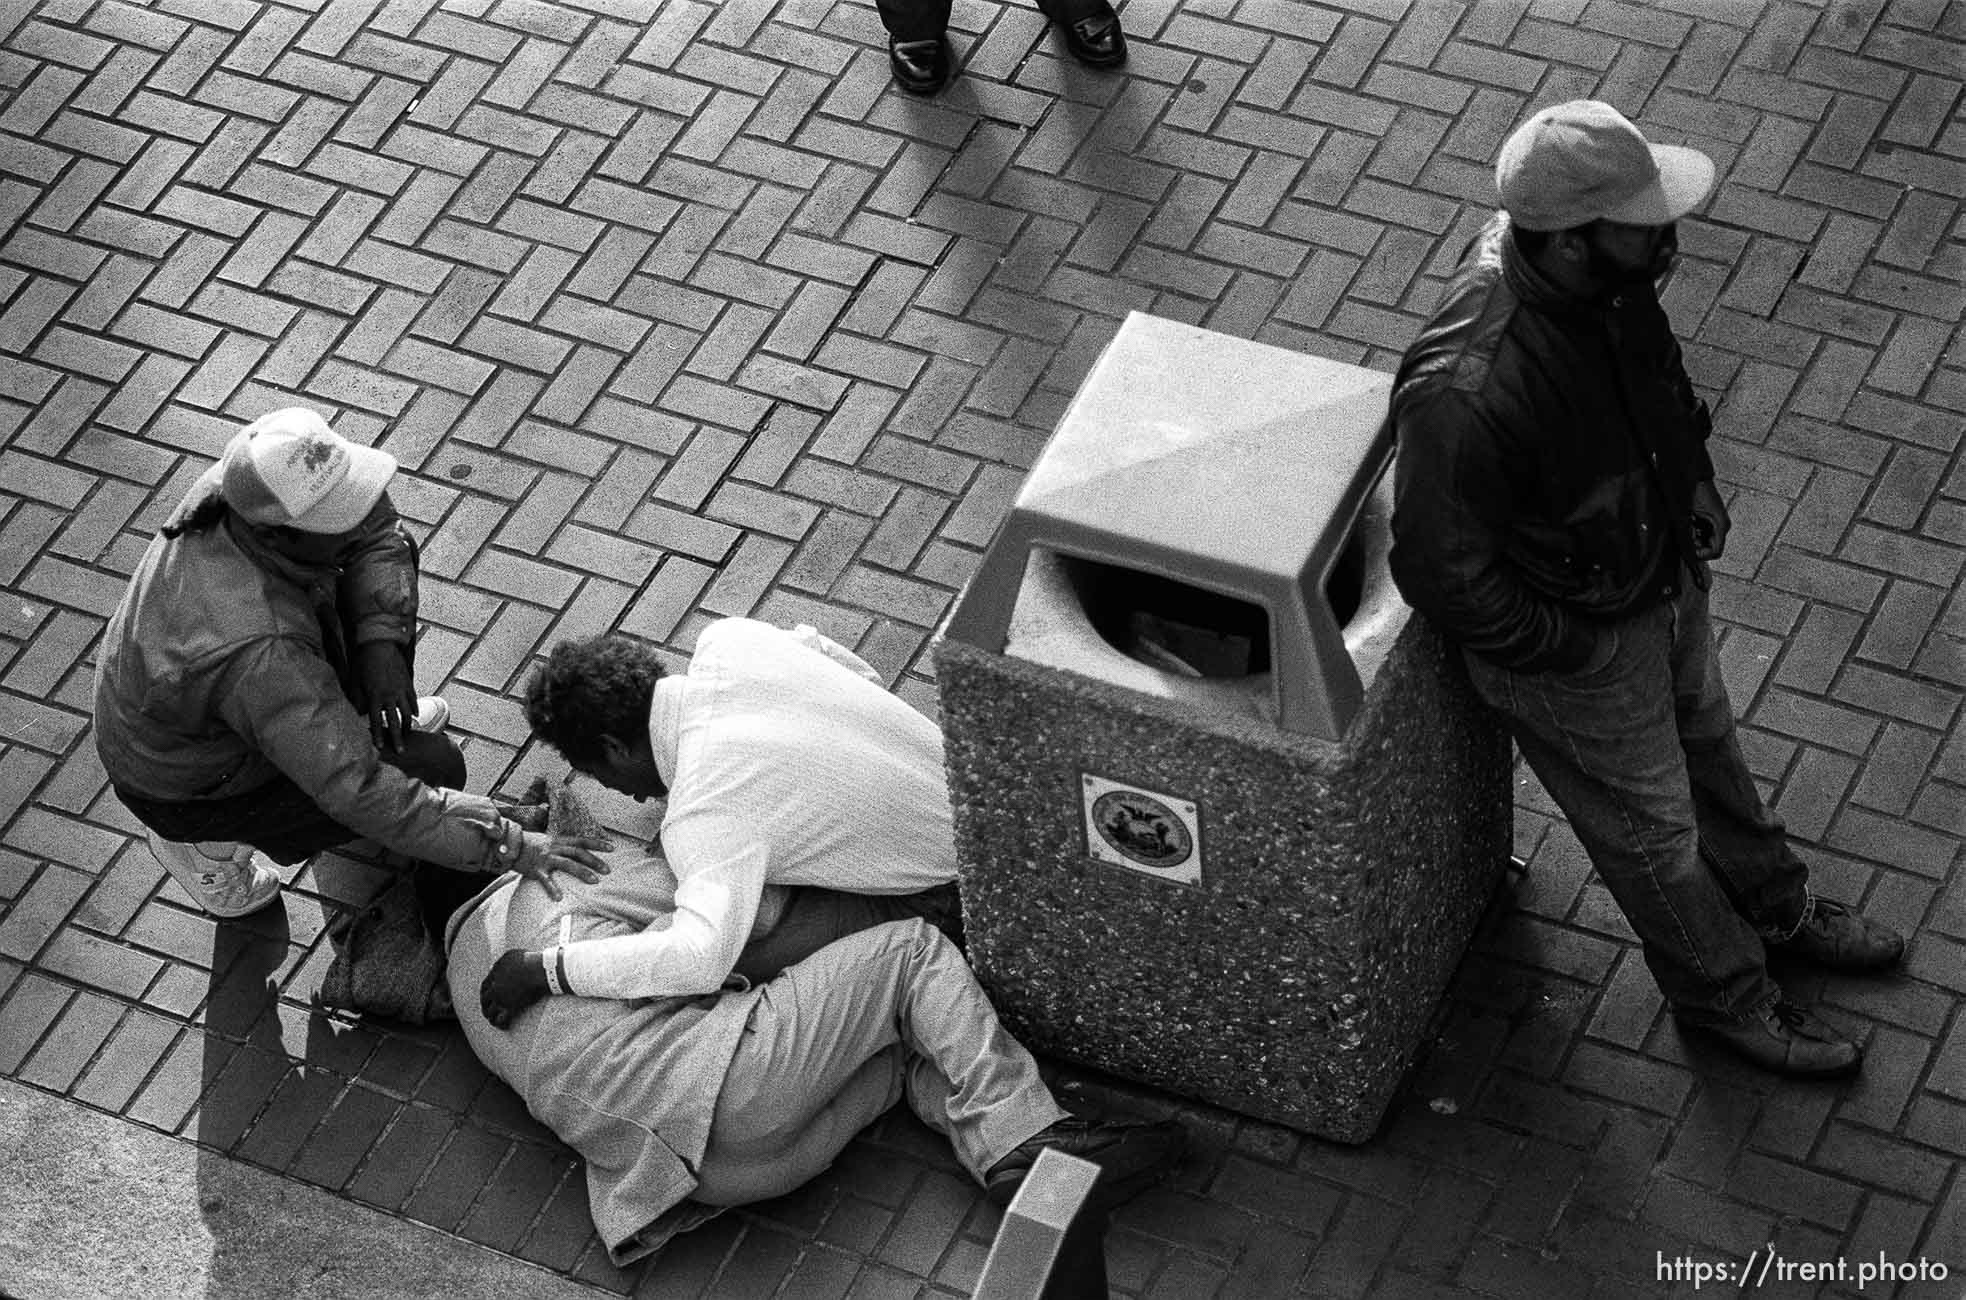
816,917
1070,11
914,20
279,818
1605,743
1741,839
839,1037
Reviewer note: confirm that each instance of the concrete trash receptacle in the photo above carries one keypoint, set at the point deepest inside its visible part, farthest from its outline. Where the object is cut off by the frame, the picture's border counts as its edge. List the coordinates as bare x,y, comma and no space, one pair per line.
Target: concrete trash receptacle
1226,813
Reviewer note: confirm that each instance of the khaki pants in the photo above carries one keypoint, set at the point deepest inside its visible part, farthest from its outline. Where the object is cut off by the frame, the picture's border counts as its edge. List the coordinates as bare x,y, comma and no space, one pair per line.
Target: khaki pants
838,1038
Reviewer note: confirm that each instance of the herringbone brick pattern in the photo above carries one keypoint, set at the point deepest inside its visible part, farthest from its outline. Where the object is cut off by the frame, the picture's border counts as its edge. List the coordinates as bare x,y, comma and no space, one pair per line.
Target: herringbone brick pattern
674,310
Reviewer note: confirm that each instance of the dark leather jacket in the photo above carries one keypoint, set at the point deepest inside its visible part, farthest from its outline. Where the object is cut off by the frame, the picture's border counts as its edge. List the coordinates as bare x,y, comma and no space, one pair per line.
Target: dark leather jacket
1548,450
214,678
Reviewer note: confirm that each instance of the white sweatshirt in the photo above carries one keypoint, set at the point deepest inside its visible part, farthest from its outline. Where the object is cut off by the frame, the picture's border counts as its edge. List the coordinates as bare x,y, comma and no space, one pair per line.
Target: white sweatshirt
787,762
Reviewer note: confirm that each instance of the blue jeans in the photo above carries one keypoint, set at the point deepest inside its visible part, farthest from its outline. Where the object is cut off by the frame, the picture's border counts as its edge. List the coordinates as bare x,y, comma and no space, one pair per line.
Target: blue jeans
1639,750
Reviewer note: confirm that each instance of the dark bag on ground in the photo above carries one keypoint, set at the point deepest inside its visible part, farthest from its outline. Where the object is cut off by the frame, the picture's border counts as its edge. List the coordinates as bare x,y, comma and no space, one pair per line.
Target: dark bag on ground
386,960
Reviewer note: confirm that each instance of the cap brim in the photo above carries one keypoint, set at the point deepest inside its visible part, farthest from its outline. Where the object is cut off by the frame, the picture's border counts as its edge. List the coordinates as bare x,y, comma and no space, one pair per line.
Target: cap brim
369,472
1685,177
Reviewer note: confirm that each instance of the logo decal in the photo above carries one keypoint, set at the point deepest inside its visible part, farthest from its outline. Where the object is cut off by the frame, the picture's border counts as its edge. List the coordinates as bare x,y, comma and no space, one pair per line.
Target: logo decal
1155,834
316,452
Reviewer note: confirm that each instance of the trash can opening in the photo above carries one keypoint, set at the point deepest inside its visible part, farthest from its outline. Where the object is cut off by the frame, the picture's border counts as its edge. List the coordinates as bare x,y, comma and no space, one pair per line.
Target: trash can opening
1171,625
1145,633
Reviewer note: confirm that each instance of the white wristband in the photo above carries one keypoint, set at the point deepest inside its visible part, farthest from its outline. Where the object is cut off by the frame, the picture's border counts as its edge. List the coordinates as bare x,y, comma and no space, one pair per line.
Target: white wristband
551,958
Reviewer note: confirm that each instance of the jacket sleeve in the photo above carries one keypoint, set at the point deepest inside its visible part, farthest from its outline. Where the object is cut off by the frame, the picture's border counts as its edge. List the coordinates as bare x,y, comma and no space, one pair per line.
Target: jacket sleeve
1453,502
720,875
282,698
1699,420
377,589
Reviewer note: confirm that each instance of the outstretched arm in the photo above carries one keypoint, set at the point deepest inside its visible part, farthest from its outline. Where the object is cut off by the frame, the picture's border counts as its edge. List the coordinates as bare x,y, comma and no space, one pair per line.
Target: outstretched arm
720,869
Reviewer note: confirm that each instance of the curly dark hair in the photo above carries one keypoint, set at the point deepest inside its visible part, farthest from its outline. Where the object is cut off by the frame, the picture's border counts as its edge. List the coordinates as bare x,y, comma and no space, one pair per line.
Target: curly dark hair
585,690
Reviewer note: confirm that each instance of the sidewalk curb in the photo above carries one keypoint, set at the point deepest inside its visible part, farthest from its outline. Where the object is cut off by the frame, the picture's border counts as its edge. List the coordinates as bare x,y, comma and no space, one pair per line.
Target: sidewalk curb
93,1206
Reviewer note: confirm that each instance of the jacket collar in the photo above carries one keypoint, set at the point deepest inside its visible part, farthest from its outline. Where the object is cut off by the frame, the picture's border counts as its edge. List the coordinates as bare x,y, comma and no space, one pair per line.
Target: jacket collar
249,543
1530,284
1537,289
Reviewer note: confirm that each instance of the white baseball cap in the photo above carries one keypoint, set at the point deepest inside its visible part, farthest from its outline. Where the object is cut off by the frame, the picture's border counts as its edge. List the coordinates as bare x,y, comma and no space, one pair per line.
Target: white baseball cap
289,469
1571,164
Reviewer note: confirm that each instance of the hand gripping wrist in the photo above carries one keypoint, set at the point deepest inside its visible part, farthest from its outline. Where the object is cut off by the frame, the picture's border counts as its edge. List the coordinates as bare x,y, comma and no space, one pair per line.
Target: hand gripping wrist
508,846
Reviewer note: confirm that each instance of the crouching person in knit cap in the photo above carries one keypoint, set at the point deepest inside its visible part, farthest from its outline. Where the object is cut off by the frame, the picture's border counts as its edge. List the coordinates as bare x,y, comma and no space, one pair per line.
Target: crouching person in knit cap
253,699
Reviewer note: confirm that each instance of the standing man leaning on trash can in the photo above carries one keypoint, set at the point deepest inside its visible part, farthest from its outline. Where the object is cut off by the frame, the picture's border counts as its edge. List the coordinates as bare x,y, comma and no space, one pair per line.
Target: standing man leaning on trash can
1555,515
278,600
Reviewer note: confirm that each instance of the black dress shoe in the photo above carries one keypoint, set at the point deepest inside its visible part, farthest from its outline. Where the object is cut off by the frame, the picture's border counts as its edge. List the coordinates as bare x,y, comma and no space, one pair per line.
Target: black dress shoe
1097,41
1789,1039
1131,1157
920,67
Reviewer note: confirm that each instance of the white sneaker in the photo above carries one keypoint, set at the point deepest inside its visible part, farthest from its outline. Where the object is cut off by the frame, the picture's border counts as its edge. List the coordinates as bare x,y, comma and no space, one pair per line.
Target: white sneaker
226,878
431,714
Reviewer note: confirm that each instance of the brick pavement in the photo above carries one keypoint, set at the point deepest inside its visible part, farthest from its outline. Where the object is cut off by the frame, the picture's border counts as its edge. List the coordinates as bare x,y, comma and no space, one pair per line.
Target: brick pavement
677,310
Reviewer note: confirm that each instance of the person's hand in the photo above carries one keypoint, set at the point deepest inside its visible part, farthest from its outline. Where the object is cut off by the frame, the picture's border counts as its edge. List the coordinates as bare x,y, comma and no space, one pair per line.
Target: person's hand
1710,521
540,855
516,981
388,695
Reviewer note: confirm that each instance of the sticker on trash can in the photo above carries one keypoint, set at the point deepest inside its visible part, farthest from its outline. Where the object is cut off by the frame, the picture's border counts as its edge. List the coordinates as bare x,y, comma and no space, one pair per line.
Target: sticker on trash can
1155,834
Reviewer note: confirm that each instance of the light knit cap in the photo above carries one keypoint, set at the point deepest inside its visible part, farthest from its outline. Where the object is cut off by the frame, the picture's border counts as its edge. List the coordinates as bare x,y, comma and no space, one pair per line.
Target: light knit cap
289,469
1571,164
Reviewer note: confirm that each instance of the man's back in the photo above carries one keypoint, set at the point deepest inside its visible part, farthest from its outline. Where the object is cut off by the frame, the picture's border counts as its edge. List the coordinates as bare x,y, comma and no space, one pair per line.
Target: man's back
195,603
839,779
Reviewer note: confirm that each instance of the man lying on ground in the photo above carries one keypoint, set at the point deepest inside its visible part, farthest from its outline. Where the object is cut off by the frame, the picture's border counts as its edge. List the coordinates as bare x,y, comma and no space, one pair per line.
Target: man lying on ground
685,1105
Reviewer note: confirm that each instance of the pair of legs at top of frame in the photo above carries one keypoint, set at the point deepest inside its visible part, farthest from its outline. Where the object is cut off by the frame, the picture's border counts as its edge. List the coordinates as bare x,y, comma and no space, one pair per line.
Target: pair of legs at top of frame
918,45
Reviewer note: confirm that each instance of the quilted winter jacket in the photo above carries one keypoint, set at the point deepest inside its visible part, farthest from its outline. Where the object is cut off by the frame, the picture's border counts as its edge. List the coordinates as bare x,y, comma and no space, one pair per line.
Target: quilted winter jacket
214,678
1549,446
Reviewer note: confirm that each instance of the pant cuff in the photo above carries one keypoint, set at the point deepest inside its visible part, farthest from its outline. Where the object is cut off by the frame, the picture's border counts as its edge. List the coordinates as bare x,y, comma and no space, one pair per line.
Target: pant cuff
1776,934
1004,1131
1718,1019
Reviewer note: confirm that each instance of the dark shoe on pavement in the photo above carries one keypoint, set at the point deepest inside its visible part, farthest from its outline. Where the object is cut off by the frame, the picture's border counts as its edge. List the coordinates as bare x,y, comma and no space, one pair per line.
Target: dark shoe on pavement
1791,1040
1097,41
1131,1157
920,67
1835,937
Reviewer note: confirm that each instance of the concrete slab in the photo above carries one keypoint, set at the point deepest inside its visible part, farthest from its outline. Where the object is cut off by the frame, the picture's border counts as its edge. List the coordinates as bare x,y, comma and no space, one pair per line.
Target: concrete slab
94,1206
